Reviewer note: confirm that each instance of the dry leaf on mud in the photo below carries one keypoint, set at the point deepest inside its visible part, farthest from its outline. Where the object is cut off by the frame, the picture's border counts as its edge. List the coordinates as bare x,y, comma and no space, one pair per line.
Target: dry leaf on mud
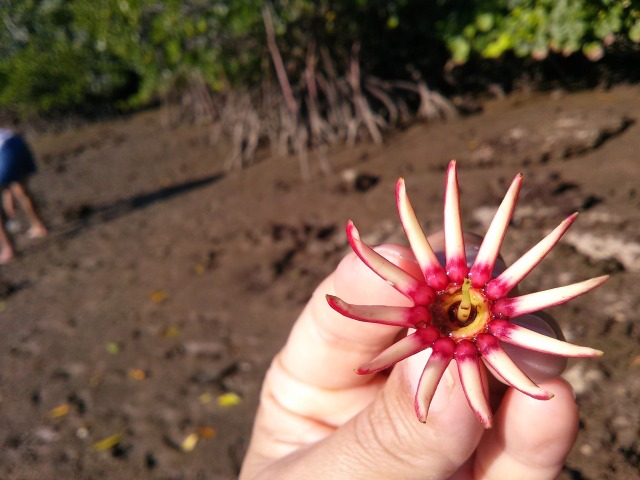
107,443
206,432
229,399
159,296
189,443
59,411
171,332
137,374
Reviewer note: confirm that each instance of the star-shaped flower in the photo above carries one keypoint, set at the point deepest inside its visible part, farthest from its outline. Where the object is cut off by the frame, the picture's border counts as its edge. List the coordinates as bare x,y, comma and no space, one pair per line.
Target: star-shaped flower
461,312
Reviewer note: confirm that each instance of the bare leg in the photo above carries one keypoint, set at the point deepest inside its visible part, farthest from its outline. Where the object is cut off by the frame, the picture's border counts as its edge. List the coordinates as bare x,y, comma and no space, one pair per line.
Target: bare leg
23,195
6,247
8,203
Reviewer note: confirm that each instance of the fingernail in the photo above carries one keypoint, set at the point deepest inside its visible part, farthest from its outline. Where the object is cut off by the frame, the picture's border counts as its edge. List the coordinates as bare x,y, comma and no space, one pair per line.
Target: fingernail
400,253
538,366
540,322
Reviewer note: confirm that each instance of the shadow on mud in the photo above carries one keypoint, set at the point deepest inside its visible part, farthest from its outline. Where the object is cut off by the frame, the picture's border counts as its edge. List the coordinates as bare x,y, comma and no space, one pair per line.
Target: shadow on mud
82,217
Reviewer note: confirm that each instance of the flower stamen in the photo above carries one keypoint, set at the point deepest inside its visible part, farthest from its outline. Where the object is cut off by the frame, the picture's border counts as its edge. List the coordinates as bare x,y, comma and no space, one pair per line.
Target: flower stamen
464,308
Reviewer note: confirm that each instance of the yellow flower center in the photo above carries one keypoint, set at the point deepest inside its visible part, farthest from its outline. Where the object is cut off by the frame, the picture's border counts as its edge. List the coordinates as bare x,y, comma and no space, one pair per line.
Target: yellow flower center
461,311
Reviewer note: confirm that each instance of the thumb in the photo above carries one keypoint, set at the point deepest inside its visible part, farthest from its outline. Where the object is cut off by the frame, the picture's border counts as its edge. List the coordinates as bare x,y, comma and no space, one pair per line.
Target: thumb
386,440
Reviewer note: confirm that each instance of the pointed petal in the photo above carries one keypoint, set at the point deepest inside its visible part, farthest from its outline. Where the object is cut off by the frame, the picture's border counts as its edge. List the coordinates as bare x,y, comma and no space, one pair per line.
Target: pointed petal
493,354
454,241
420,340
471,379
433,272
409,286
514,307
516,335
480,273
503,284
443,350
407,317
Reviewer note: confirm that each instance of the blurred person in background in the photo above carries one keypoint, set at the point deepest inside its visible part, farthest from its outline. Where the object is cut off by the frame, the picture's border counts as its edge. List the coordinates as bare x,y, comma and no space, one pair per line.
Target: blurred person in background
16,166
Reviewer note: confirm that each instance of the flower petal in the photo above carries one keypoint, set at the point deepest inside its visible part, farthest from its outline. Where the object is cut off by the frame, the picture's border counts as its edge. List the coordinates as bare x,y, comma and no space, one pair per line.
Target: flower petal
493,354
516,335
407,317
433,272
480,273
441,356
503,284
454,241
420,340
516,306
408,285
471,379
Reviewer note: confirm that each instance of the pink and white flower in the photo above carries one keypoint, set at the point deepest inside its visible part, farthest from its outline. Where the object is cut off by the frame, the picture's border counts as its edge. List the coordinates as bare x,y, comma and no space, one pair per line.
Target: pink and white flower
459,312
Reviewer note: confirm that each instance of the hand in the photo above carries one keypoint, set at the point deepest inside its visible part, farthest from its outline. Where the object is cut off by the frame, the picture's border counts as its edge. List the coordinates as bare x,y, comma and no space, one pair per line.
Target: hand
319,420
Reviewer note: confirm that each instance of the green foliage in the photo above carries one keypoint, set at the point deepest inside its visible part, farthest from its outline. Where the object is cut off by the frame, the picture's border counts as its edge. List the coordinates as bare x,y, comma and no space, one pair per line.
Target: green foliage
59,54
533,28
73,55
49,62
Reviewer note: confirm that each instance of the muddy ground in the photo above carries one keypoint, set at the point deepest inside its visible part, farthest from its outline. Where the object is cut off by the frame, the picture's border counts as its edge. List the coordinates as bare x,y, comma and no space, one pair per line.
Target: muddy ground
165,283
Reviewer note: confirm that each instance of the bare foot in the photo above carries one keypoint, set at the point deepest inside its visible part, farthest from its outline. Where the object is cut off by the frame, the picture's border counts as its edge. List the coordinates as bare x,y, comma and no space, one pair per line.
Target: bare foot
37,231
6,255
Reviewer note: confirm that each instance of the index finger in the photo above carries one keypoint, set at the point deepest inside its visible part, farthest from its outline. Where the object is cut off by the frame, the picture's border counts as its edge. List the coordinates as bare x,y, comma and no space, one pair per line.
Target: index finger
325,347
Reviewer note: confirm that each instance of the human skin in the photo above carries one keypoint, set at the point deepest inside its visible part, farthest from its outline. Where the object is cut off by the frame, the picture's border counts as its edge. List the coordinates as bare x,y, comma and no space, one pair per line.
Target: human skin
318,419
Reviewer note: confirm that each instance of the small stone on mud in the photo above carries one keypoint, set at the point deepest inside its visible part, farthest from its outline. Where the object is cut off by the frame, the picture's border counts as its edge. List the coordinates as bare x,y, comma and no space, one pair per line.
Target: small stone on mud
586,450
46,434
205,349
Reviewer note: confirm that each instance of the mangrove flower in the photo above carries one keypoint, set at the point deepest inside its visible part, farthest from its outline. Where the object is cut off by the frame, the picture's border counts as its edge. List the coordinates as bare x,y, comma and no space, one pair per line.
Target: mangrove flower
461,312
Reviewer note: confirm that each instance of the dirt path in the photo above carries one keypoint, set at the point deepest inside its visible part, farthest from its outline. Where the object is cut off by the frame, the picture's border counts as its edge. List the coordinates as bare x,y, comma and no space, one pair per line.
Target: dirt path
165,284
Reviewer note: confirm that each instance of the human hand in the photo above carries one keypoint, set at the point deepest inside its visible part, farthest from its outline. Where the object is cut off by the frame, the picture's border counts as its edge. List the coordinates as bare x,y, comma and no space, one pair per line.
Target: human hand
318,419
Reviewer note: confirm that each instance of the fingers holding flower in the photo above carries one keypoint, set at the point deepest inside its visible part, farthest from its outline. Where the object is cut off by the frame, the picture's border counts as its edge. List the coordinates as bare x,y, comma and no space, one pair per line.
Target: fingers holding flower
462,311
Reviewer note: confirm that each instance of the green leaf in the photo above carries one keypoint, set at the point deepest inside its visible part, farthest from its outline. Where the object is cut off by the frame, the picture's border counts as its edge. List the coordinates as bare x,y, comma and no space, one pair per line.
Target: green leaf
634,32
485,22
460,49
496,48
